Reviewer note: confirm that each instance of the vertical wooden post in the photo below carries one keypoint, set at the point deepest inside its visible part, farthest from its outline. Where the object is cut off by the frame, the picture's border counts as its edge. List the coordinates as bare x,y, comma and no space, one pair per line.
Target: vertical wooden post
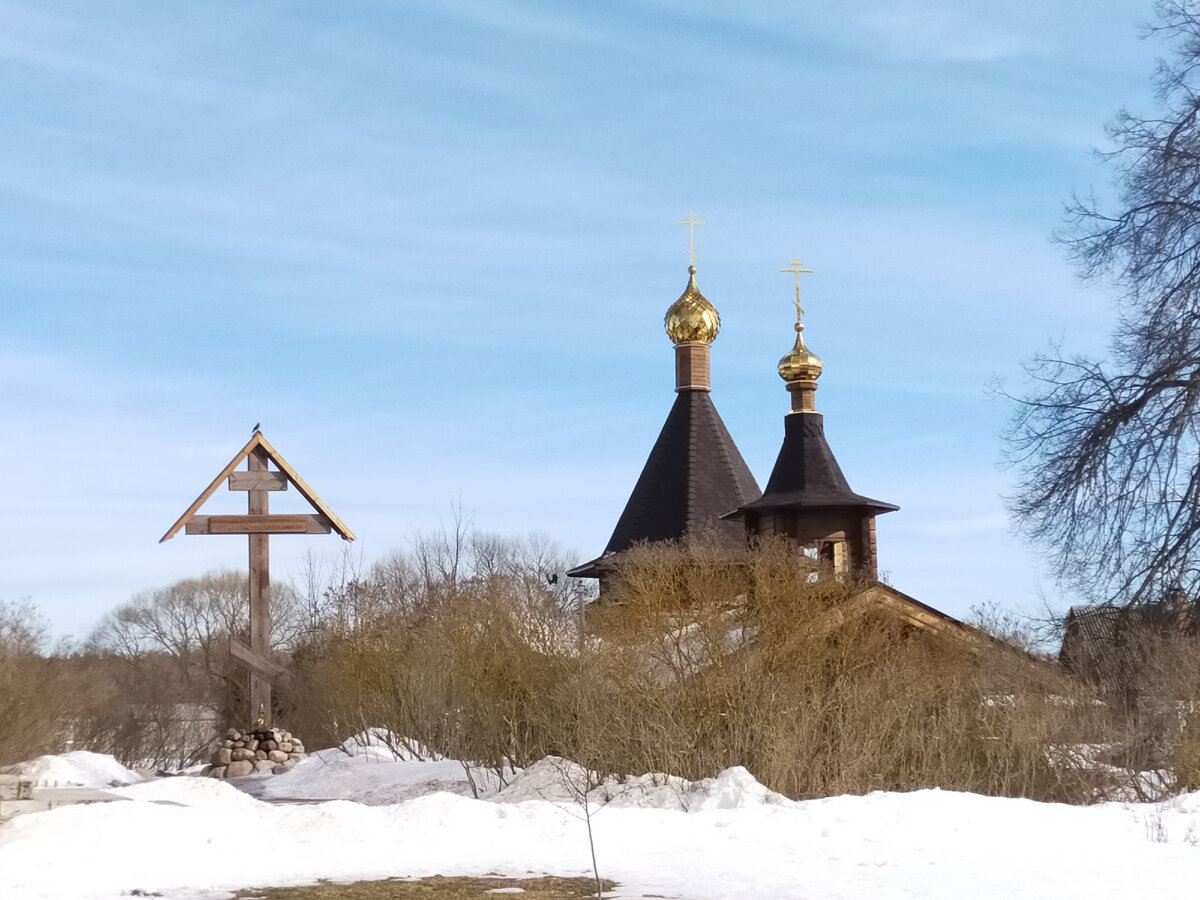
260,587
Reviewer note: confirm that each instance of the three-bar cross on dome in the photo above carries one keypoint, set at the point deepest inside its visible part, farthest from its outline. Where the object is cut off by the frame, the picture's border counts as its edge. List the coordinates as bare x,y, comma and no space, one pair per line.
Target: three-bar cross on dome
801,367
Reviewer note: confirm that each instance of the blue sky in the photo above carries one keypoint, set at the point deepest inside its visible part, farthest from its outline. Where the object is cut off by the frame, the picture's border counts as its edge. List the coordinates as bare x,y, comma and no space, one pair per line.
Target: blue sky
429,247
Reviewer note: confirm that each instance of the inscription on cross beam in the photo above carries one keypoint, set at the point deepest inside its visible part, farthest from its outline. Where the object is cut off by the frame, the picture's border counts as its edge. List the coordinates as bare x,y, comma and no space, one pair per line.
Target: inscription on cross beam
258,480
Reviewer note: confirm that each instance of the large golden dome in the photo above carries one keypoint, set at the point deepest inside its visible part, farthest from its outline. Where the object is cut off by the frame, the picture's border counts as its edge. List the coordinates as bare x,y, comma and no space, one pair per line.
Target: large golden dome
692,319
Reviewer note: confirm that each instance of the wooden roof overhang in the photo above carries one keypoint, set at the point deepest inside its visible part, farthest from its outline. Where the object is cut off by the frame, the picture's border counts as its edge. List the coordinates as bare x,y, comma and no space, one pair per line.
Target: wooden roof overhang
807,476
322,522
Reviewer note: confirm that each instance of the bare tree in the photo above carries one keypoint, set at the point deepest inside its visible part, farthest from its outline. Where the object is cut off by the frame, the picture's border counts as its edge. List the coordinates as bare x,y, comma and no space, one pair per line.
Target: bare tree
193,619
1108,451
23,630
168,651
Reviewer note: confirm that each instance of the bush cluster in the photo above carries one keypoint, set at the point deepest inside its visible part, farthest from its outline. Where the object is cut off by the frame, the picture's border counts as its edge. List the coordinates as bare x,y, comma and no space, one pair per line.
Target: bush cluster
696,659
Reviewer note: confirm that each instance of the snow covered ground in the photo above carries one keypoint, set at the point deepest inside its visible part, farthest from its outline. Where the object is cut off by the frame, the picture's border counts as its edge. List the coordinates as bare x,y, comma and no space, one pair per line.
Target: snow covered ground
726,837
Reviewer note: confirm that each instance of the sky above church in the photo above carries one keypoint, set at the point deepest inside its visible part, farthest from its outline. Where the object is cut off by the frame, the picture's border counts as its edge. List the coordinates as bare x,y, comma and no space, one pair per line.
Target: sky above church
429,247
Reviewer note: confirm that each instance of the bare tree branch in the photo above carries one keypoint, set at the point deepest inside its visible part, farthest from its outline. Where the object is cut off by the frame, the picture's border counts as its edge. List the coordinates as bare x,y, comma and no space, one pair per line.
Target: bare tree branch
1107,451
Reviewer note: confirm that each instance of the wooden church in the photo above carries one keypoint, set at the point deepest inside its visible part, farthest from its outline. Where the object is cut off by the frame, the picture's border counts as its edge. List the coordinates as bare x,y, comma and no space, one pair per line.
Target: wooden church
695,481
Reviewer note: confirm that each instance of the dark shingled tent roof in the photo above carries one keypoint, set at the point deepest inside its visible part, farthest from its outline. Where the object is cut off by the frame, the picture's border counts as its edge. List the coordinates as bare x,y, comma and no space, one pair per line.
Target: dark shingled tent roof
806,474
694,475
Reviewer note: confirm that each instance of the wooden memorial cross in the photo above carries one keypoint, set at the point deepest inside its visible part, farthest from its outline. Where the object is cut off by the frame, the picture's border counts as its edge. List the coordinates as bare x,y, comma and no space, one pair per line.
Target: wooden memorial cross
258,480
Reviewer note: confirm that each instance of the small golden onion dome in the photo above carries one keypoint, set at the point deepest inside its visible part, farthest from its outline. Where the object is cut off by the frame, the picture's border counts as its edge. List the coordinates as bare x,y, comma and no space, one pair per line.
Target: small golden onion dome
692,319
801,364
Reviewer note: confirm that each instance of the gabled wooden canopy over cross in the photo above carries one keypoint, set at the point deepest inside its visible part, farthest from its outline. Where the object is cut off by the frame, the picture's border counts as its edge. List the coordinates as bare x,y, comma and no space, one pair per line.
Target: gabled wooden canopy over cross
258,480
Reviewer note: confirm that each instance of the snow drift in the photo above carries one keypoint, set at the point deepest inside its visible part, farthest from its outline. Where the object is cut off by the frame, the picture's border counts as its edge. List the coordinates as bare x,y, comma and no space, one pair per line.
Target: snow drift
724,837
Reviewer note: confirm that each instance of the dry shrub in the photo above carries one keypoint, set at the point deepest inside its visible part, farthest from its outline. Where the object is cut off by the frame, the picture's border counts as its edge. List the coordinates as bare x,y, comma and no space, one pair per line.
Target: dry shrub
743,659
1160,704
452,647
701,658
42,694
146,719
466,677
175,686
1186,762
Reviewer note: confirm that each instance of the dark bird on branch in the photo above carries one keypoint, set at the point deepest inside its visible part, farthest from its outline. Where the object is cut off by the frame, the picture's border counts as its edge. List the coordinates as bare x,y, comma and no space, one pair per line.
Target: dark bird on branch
552,579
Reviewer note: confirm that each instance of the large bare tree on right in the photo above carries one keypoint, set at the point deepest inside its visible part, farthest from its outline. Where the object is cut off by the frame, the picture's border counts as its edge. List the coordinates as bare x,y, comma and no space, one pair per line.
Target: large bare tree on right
1108,451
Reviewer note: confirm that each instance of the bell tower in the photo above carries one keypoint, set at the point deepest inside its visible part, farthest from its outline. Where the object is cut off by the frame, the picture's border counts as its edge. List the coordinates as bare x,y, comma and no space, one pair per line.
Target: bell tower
807,497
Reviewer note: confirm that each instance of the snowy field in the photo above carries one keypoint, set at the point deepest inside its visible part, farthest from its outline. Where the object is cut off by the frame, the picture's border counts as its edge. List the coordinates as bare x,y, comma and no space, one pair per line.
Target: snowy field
376,815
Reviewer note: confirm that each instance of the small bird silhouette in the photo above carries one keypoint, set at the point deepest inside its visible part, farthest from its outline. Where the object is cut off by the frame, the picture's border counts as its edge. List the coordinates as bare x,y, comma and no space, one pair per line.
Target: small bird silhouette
552,579
256,428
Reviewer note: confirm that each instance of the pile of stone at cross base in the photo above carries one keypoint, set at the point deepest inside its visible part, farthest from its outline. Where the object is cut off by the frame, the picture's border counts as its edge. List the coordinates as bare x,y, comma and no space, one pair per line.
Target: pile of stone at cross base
260,750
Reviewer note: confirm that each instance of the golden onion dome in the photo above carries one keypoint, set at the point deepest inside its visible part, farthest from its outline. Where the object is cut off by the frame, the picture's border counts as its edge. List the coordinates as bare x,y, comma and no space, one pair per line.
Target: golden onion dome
692,319
801,364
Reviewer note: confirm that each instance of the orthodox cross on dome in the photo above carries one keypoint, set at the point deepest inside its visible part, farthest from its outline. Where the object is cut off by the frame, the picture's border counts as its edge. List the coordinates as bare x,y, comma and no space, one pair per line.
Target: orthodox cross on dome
691,222
797,268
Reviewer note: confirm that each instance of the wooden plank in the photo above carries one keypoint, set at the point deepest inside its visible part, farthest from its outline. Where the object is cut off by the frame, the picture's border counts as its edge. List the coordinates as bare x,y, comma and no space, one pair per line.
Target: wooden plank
258,481
256,662
304,523
257,506
256,440
306,492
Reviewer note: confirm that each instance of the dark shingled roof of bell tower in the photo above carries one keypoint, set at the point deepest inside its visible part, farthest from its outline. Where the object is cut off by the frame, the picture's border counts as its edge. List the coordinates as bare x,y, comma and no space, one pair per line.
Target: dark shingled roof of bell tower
806,474
693,476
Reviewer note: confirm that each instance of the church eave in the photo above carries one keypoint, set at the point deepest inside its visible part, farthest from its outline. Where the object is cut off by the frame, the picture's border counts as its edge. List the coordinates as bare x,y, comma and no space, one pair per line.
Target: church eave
801,500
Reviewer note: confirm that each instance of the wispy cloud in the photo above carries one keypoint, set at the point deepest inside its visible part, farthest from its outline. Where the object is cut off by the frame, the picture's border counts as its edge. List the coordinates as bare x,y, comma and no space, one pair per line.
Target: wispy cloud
930,31
438,241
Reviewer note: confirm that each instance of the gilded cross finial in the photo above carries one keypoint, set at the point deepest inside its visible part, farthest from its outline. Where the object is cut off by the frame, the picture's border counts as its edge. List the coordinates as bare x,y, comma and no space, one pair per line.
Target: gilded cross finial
691,222
797,268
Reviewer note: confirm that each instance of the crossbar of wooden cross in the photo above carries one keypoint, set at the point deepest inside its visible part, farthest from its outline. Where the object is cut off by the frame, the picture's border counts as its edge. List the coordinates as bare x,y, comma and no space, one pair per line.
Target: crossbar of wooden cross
259,480
258,663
